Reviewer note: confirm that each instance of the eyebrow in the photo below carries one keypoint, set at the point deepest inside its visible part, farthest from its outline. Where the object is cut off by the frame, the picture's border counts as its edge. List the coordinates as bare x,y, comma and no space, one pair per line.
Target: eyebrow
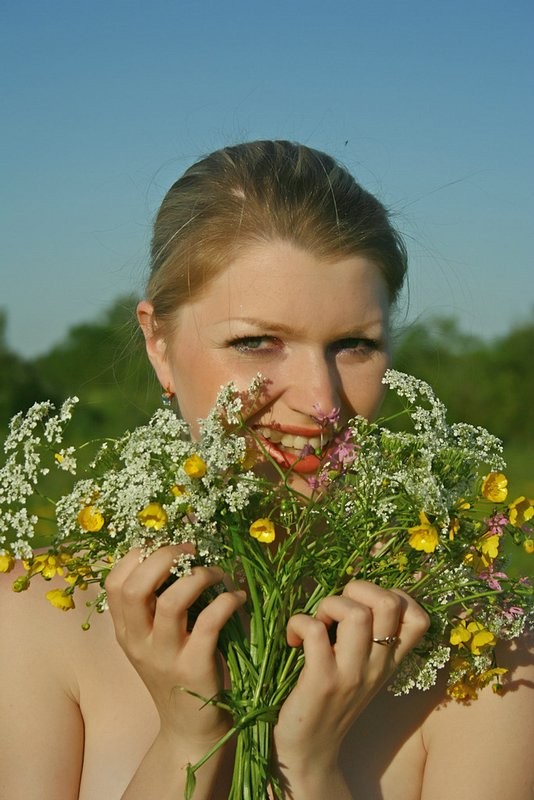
279,327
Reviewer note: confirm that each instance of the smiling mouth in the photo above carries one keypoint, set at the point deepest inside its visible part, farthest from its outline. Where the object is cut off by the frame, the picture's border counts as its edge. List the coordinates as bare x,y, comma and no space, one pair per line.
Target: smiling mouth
291,449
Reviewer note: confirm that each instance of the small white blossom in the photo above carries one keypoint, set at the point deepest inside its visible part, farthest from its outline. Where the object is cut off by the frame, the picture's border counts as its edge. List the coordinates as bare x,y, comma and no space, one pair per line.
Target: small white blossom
394,509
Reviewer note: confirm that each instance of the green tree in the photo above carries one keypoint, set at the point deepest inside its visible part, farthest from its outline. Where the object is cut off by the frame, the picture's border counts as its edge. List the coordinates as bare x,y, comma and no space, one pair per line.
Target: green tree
484,383
20,386
104,363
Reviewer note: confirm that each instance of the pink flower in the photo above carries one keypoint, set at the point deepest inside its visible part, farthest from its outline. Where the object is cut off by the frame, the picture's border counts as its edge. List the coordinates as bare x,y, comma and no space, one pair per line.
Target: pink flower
343,453
496,524
513,611
325,419
491,579
319,481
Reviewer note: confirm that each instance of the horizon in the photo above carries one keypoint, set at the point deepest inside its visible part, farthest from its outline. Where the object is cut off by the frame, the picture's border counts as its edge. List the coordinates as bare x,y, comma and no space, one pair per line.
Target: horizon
106,105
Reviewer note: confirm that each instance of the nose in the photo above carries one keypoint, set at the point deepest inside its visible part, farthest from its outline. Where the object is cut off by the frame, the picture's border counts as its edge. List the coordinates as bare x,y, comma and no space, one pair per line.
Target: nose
312,382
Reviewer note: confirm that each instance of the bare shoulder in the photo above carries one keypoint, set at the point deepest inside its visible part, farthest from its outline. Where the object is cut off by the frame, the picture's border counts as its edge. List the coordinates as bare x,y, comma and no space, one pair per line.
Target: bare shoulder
34,631
39,714
28,622
495,729
426,746
511,708
74,701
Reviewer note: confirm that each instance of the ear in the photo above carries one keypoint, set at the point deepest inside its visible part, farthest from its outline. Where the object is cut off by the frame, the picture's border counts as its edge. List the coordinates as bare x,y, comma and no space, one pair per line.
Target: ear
156,346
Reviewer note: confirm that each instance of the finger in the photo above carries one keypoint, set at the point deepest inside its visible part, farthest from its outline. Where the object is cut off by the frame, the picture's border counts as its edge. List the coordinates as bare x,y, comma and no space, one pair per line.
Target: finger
136,594
389,609
171,607
312,634
354,630
114,581
203,639
386,606
414,623
395,613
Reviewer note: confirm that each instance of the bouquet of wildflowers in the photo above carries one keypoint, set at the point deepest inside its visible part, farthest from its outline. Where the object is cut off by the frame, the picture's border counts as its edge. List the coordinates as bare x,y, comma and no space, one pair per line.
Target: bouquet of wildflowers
424,510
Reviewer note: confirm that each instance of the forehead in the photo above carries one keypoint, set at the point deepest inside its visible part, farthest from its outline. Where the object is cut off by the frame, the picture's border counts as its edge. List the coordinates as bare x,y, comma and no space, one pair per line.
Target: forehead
282,283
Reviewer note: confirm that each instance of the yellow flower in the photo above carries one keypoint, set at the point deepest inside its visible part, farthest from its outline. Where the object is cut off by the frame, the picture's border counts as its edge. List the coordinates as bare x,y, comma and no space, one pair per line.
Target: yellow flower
454,527
462,692
178,490
262,530
195,467
73,580
487,676
90,519
528,546
478,561
78,577
7,562
424,536
495,487
459,634
473,635
402,561
59,458
153,516
480,637
21,583
250,457
460,664
60,599
520,511
48,565
487,549
489,545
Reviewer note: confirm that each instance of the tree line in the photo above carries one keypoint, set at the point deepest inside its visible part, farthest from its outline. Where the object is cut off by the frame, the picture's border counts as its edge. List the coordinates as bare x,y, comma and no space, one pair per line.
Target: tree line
488,383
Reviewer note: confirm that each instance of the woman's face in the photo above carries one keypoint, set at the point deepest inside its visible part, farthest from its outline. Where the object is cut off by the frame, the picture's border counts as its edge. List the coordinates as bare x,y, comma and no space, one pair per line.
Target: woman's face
317,330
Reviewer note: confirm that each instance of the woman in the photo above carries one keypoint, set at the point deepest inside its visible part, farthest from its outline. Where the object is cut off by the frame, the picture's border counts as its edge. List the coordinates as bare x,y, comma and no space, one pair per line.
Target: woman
266,257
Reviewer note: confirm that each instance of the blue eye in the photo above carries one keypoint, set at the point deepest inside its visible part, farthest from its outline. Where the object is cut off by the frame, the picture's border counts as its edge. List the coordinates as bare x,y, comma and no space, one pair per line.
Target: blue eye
249,344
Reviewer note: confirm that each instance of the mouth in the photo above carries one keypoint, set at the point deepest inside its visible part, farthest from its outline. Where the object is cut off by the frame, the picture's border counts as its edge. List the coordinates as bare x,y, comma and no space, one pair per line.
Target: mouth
294,448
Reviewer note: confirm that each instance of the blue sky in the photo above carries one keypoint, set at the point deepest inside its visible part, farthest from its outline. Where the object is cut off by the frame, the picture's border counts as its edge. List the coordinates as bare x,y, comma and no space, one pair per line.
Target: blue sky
105,103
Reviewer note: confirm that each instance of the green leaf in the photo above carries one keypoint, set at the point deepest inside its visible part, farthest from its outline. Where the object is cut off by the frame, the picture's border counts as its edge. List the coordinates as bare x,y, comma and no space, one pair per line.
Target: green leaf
190,782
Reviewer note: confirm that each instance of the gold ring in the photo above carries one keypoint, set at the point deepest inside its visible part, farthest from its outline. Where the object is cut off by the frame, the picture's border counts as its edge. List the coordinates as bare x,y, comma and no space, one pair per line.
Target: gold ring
389,641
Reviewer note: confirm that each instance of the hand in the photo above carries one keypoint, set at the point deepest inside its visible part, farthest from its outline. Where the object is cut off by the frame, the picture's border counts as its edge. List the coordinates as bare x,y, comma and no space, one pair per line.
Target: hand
338,680
153,632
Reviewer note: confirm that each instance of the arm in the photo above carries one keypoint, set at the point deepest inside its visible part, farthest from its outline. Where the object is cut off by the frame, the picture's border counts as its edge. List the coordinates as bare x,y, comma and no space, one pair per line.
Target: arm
41,728
338,681
153,632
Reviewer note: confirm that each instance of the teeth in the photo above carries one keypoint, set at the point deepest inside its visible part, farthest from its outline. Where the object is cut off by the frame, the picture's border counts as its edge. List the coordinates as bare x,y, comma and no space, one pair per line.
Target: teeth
289,441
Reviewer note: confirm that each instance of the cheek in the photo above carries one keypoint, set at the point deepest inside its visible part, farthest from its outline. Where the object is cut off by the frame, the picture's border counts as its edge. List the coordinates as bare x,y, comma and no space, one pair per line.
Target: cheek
197,382
195,399
364,393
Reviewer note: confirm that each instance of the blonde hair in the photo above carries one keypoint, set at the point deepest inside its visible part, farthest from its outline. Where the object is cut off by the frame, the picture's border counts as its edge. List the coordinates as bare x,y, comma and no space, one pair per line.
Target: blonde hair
260,192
